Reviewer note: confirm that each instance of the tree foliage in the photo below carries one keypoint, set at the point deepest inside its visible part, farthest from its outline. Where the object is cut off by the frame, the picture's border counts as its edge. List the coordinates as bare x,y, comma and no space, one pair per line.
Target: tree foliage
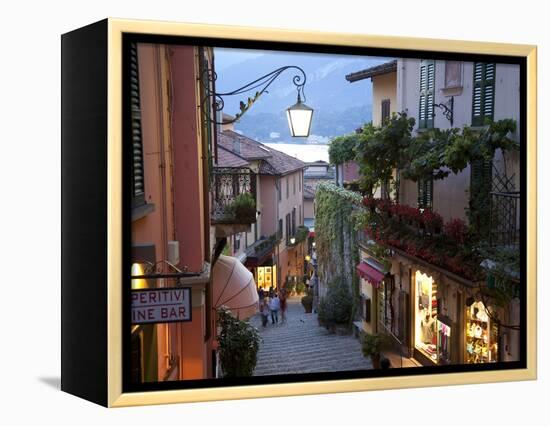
342,148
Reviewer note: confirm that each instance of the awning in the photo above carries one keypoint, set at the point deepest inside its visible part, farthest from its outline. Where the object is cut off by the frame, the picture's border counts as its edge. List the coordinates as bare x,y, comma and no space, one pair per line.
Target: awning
234,287
369,274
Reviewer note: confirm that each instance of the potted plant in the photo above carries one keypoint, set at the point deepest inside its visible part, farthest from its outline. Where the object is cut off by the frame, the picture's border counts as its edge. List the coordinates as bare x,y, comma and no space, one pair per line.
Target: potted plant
335,309
289,287
239,343
307,302
242,209
300,288
372,346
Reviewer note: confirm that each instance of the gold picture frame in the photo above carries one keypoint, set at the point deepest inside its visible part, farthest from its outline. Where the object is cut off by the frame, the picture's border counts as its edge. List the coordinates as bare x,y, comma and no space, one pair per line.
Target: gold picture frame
116,28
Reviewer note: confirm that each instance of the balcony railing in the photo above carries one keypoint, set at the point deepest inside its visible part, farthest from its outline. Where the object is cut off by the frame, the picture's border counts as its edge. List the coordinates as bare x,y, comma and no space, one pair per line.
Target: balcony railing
504,218
233,196
261,248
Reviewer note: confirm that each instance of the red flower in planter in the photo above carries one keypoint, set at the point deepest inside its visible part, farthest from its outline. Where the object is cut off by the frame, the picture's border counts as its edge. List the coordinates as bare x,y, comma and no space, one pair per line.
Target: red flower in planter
369,202
431,220
385,205
456,229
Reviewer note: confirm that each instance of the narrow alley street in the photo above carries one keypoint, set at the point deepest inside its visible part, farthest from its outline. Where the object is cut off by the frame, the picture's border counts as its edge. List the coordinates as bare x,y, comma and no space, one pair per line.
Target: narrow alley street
300,345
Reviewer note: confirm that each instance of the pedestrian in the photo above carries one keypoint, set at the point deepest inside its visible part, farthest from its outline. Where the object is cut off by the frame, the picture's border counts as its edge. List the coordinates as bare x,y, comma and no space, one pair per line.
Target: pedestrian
264,311
274,306
283,304
261,294
271,292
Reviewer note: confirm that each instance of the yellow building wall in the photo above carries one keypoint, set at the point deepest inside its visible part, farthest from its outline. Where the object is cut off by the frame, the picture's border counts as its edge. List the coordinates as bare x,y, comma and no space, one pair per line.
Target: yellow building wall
383,87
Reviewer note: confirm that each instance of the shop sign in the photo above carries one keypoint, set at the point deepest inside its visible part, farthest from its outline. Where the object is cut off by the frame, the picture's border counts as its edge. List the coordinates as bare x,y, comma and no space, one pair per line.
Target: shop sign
159,305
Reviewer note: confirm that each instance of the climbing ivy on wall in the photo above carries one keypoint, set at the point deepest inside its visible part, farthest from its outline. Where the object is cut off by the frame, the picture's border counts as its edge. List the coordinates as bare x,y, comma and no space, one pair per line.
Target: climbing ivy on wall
336,236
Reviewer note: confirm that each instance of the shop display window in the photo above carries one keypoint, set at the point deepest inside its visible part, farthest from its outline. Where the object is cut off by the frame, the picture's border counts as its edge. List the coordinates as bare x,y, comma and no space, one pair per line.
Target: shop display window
444,340
481,335
426,316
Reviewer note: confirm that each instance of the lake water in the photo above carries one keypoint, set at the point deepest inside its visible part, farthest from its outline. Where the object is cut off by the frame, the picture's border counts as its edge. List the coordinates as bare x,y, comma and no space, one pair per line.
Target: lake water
305,152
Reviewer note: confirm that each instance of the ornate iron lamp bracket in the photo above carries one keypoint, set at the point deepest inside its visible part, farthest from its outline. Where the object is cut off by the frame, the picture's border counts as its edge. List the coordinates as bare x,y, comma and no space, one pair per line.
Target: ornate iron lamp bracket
209,78
447,109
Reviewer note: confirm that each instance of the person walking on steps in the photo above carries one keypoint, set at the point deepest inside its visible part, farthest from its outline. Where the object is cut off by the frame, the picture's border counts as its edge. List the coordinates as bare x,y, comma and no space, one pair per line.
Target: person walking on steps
283,304
264,310
274,306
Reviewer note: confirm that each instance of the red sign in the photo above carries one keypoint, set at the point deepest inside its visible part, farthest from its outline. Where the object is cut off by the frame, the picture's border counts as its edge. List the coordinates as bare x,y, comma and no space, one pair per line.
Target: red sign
159,305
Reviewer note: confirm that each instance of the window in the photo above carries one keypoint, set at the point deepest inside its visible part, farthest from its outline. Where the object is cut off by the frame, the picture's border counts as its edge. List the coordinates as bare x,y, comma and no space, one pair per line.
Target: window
294,184
453,74
301,180
279,189
294,221
425,193
280,229
288,229
484,93
138,187
426,315
427,85
385,115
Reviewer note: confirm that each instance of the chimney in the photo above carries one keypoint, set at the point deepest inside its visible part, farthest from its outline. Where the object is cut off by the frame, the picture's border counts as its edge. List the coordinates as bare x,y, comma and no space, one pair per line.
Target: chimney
229,126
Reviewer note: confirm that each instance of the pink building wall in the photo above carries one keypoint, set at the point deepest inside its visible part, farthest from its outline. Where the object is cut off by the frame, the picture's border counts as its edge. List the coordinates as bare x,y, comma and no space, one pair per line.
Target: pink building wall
268,207
188,200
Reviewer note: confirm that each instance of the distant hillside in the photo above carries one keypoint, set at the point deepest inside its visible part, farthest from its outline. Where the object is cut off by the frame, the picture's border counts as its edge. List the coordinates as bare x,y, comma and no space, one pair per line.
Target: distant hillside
340,107
327,124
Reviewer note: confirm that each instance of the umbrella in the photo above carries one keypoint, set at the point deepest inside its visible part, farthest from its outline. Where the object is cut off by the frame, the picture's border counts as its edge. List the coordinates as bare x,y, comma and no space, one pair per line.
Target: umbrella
234,287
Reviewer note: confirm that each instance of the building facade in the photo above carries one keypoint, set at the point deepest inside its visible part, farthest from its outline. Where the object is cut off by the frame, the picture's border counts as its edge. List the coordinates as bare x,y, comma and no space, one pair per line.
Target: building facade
170,242
274,249
433,314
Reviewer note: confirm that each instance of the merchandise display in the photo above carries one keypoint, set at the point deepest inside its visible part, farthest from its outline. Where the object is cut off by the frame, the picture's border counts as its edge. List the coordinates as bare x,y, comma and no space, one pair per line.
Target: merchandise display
426,340
481,336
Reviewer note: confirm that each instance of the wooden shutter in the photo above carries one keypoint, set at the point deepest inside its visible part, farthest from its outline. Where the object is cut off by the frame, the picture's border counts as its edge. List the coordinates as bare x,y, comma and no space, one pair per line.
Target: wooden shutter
137,141
483,101
481,183
425,193
385,110
427,88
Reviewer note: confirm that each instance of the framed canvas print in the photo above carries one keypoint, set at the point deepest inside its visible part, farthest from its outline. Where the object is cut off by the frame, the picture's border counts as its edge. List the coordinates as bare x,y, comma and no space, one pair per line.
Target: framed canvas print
254,212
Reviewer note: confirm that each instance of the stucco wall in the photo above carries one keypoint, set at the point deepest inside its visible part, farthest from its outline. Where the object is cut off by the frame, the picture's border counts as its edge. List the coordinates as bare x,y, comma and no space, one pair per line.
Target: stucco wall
268,205
451,194
309,211
383,87
187,158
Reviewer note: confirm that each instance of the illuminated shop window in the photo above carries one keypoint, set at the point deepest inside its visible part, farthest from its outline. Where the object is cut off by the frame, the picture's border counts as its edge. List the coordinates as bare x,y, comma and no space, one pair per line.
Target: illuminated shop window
426,316
481,335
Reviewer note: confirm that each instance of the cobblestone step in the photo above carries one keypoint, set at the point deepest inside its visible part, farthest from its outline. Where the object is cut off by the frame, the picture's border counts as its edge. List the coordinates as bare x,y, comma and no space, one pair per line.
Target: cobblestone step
300,345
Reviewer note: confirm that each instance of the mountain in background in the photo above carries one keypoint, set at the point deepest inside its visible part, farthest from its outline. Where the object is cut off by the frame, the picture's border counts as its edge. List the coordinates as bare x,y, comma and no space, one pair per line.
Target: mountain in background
339,106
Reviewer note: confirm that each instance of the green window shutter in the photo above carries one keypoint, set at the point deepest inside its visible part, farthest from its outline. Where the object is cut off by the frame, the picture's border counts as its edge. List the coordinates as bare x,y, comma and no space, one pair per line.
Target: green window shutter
385,113
425,193
427,89
483,98
138,185
481,183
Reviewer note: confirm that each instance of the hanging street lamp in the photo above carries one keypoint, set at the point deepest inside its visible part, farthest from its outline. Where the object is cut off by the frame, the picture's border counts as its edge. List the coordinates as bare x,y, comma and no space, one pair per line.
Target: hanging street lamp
299,119
299,115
